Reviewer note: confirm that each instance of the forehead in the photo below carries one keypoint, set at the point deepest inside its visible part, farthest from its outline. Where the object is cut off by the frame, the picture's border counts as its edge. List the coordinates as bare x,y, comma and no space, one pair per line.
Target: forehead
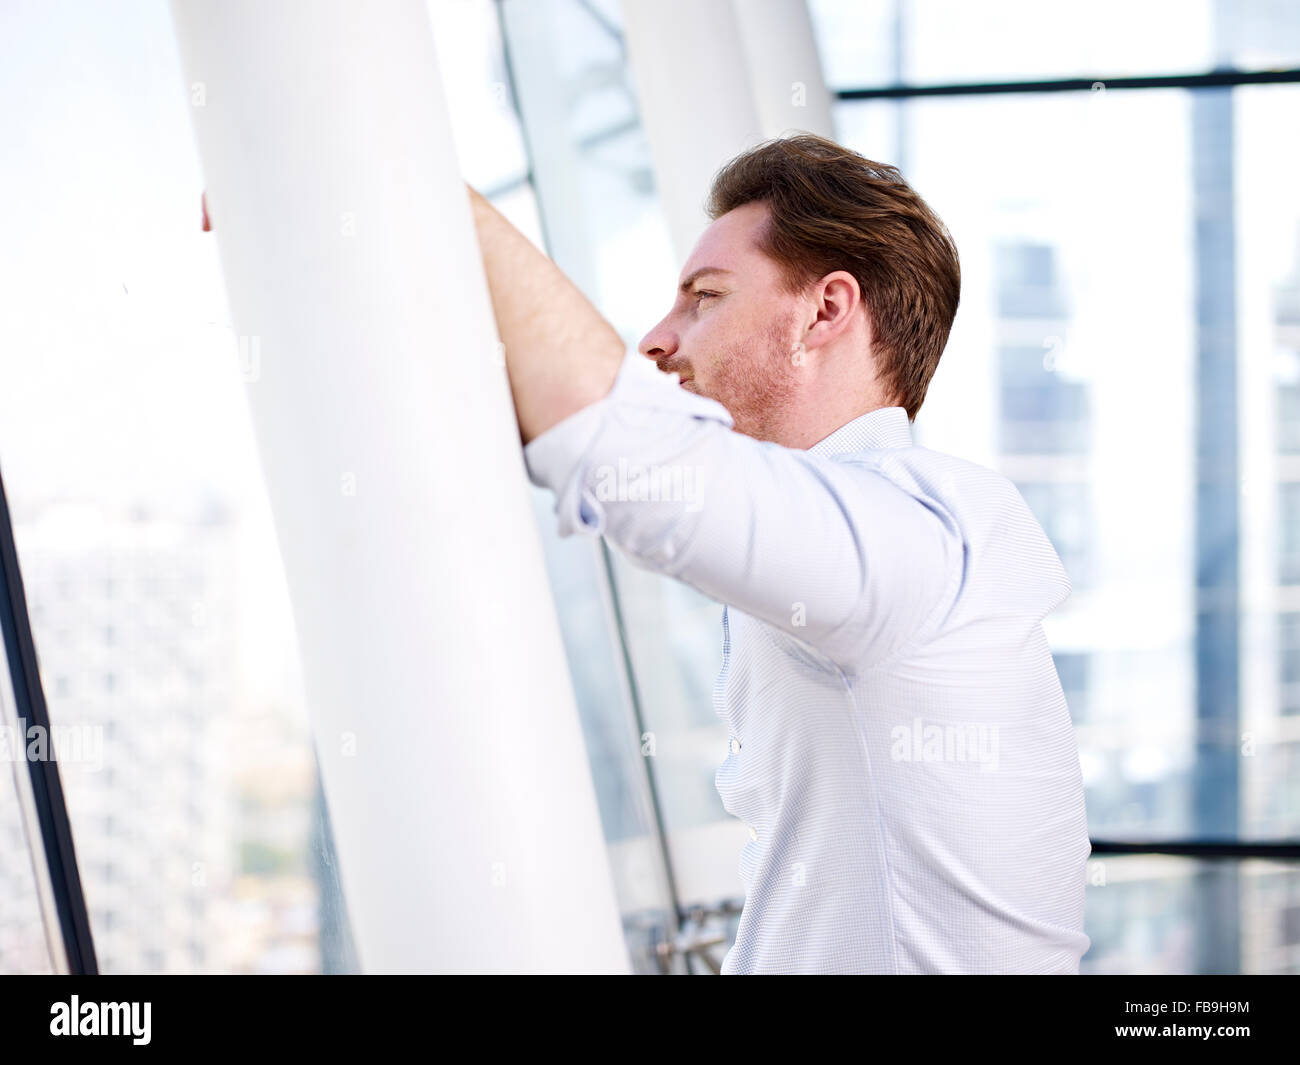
730,242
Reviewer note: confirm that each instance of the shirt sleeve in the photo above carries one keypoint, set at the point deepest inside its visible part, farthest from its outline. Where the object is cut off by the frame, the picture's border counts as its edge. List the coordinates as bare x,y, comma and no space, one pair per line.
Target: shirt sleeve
833,553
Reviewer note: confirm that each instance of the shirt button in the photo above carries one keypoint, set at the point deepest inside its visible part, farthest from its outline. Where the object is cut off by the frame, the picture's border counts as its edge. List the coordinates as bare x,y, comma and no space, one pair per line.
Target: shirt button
752,834
735,745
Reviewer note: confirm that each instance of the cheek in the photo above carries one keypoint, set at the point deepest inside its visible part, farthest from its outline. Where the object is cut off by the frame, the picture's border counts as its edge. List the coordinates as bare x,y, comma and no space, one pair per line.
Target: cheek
715,335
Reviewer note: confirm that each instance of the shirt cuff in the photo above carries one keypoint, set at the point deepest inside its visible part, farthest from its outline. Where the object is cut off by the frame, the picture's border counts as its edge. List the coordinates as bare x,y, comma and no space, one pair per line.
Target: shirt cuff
641,396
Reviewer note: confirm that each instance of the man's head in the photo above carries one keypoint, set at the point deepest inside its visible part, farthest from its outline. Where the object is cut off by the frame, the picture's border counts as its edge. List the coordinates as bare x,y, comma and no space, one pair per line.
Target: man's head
824,288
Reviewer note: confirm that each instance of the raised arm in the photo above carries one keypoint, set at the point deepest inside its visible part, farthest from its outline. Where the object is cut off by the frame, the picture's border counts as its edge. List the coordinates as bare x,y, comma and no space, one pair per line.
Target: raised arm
832,553
561,355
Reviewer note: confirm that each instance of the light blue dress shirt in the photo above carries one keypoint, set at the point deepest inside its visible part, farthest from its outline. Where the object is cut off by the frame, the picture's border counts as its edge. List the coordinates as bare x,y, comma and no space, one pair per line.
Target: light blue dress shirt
900,746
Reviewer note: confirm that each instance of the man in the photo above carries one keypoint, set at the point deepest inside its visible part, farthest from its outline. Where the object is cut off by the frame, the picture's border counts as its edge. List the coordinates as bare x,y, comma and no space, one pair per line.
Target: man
900,748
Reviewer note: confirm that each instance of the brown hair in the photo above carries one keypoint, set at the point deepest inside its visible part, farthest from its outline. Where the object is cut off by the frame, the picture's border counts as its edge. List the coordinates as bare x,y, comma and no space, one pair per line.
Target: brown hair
832,209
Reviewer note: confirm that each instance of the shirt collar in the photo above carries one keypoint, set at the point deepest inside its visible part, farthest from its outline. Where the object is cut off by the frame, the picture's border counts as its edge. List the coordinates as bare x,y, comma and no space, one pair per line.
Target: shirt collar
883,427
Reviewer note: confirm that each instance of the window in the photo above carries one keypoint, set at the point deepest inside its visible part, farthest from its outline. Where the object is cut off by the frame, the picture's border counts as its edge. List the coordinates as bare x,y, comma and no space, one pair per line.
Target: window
1129,311
1289,533
1072,669
1065,513
1288,658
1042,413
119,316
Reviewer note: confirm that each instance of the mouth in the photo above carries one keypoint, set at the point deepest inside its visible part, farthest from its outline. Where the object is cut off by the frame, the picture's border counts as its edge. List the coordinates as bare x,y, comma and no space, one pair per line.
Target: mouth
682,378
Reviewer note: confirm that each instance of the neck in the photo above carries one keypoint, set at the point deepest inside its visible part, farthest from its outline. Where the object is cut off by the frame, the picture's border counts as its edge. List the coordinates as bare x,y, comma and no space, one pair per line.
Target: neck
832,397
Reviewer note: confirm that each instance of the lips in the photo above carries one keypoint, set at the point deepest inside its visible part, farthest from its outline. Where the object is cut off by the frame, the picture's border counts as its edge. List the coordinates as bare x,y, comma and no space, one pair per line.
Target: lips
681,377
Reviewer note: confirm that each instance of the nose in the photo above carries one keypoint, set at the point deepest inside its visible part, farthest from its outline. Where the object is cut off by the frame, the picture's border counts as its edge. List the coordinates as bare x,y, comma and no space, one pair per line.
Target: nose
659,343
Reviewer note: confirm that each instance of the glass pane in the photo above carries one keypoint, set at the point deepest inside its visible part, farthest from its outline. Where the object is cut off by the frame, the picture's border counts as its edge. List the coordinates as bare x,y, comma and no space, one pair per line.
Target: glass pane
872,43
1267,158
1064,337
484,123
161,620
1150,914
24,947
1123,352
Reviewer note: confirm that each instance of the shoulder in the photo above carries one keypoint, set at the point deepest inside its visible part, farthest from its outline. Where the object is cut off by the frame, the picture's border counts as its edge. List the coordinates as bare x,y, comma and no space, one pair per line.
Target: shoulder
958,483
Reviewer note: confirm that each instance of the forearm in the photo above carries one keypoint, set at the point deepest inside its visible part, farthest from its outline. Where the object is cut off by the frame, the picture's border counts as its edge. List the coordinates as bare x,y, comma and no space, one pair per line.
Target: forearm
561,355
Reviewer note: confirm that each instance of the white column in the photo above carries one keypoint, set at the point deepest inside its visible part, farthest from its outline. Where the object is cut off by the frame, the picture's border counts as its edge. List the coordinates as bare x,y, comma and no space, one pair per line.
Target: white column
785,71
443,714
693,94
714,77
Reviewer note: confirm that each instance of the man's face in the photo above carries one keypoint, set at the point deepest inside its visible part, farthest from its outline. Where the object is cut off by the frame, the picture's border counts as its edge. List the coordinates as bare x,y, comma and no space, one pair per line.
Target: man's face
733,330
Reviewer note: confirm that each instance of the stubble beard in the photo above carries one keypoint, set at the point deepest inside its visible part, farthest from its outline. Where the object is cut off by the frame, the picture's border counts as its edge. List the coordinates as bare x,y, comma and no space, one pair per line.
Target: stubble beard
759,388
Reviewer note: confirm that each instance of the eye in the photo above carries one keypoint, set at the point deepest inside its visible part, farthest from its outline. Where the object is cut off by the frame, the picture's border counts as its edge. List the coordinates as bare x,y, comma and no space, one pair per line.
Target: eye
700,295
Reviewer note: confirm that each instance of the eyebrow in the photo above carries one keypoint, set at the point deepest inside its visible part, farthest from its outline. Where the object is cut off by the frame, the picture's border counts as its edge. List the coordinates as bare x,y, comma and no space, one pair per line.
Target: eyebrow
685,286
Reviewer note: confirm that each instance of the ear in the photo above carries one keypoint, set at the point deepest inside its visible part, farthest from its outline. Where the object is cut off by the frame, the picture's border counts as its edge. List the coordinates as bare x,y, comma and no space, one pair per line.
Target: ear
836,302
